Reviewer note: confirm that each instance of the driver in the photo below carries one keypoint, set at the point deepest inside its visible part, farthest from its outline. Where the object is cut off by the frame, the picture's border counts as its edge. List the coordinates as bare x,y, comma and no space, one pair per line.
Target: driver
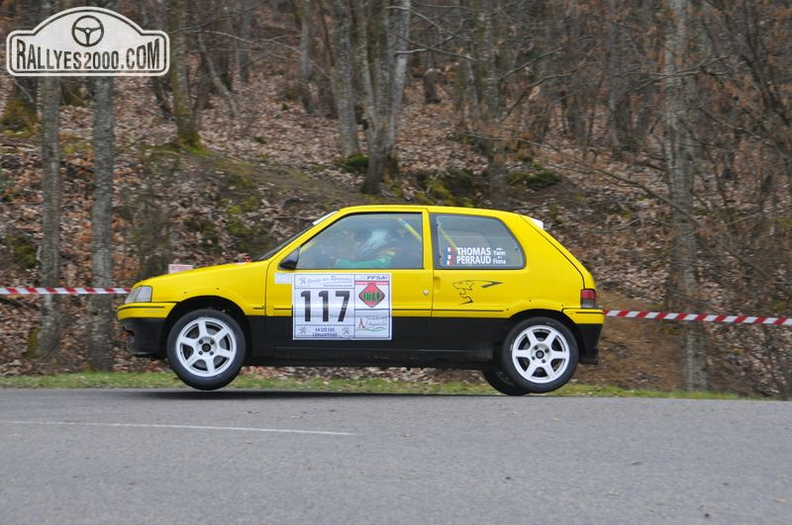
372,249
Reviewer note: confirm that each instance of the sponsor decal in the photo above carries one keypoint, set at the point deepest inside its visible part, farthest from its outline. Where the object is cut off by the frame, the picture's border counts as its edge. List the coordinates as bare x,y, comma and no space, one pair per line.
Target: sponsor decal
371,295
475,256
87,41
341,306
450,258
466,288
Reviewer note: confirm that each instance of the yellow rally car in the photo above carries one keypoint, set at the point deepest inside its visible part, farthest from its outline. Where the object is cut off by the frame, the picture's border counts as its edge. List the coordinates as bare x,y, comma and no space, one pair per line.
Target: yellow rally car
385,286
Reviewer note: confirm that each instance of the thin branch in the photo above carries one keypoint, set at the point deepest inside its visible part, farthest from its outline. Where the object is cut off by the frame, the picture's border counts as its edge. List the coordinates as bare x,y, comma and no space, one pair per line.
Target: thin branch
216,81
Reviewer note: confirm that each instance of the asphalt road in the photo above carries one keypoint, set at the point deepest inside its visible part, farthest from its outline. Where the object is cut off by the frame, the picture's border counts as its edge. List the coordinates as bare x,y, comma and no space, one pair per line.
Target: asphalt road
179,456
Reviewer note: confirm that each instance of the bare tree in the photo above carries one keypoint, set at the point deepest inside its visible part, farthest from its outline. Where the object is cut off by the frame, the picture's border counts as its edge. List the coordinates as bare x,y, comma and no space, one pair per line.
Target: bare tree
49,336
344,80
305,14
745,139
491,104
213,36
187,136
679,151
494,83
619,134
100,307
245,35
383,38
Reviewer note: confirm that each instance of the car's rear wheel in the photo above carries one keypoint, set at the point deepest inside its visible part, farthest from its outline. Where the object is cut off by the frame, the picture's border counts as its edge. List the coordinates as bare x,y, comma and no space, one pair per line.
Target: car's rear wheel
501,382
540,355
206,349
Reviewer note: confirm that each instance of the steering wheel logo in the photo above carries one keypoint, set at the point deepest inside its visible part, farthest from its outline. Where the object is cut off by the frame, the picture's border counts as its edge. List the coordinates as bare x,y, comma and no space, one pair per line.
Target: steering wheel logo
87,31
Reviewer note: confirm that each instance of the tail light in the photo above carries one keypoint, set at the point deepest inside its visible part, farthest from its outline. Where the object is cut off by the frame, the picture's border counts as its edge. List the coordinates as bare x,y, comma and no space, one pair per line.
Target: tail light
588,298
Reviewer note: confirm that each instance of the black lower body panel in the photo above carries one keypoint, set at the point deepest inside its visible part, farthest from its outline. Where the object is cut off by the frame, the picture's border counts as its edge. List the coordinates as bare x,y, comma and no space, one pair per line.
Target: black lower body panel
463,343
415,342
589,339
145,336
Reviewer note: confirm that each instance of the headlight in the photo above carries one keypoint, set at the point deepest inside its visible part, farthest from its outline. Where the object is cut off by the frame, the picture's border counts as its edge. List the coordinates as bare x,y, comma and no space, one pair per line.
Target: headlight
141,294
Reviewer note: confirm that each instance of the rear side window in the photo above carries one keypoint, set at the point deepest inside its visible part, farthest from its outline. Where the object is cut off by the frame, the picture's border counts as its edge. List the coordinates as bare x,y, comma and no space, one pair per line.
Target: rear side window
465,242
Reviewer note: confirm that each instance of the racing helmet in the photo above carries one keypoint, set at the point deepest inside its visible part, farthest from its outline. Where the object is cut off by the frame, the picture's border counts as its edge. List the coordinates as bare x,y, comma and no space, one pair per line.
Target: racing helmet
372,241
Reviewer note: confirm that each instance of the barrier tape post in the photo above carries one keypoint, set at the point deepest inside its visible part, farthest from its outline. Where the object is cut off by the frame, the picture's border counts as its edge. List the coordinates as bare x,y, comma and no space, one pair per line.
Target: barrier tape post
625,314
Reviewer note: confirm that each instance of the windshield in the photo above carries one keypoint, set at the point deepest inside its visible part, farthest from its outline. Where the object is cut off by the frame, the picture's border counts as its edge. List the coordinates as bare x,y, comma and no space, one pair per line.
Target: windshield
278,248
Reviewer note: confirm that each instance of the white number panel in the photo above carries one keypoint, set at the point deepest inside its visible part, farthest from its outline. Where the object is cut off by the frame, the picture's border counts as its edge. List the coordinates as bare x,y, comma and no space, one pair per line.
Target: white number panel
342,306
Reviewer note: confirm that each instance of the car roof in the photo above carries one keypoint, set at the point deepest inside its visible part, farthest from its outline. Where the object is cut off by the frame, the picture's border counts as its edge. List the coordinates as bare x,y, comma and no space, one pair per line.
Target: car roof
428,208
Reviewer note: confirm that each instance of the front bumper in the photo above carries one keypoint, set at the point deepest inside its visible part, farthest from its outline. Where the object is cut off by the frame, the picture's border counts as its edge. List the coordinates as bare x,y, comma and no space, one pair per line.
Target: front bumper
145,322
145,336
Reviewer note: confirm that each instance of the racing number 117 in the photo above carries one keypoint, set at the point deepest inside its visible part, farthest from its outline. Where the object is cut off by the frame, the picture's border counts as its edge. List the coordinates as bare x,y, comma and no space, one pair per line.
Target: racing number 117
325,296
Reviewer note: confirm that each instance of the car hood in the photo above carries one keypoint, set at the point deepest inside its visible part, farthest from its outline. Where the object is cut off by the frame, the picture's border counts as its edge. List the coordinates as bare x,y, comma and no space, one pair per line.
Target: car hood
248,276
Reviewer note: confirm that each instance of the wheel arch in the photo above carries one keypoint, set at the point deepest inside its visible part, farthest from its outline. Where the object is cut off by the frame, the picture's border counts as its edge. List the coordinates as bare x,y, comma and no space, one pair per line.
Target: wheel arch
208,301
552,314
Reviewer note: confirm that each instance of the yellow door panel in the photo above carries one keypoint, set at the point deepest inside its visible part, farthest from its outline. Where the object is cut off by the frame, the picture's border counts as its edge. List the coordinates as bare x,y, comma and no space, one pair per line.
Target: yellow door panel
477,293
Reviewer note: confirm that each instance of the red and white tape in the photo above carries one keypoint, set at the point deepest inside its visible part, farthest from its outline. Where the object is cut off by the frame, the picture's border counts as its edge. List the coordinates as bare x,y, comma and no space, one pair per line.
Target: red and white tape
706,318
628,314
61,291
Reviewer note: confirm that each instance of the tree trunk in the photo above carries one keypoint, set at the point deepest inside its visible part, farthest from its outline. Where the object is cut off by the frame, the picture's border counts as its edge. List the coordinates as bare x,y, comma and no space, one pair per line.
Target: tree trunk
492,113
377,43
344,85
100,307
398,38
360,61
307,51
49,336
489,103
187,136
619,118
683,286
245,34
388,32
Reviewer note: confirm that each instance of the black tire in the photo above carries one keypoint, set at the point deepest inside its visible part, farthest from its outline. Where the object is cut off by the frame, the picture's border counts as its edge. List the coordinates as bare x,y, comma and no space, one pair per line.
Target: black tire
539,355
501,382
206,349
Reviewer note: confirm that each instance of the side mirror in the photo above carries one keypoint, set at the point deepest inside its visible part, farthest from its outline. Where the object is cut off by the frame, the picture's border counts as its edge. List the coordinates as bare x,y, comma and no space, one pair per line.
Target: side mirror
290,261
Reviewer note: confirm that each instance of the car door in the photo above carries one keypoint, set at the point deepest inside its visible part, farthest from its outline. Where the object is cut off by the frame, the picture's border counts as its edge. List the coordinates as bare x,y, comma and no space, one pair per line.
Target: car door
478,274
362,282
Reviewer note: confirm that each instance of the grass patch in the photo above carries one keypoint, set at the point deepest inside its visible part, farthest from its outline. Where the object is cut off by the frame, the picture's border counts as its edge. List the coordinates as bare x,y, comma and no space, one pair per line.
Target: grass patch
360,385
578,390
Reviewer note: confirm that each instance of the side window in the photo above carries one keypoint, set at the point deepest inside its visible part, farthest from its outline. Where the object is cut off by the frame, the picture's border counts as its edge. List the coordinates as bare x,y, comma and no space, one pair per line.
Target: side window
366,241
464,242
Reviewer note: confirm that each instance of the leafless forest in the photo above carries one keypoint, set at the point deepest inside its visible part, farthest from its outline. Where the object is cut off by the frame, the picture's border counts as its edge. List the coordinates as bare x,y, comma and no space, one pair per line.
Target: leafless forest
653,137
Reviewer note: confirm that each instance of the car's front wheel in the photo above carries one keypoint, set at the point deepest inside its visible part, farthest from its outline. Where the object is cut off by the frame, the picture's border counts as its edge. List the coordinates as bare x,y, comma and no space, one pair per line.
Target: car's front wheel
540,355
206,349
